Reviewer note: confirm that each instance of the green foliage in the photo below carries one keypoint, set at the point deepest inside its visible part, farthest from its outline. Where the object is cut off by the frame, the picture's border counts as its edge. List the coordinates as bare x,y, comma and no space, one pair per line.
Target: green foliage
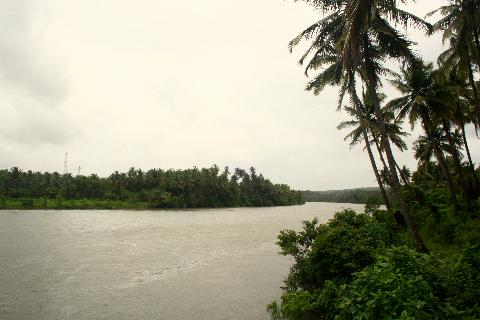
190,188
326,255
357,267
59,201
361,195
3,201
405,283
44,201
27,203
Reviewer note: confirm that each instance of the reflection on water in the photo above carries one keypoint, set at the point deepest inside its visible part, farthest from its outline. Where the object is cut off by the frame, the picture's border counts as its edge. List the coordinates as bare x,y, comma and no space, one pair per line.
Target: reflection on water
189,264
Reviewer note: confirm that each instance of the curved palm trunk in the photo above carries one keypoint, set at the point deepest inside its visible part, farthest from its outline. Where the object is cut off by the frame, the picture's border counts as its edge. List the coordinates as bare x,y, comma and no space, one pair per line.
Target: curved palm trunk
370,155
475,95
405,180
441,161
455,155
380,153
372,86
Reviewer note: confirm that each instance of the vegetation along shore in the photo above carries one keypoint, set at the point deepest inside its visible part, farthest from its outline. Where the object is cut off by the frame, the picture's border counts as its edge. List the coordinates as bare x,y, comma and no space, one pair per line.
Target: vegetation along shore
420,258
137,189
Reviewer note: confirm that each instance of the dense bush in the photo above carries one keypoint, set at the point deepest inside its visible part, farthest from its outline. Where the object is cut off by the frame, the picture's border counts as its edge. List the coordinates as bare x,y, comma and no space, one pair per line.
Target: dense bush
357,266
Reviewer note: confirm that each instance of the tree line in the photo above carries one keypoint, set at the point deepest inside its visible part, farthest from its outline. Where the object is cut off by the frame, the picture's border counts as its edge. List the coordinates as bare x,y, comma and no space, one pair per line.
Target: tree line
360,195
189,188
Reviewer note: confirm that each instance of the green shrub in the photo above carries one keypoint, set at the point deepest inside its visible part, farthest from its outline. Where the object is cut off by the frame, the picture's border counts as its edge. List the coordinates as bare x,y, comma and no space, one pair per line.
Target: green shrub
395,287
320,304
357,267
44,201
462,278
27,203
59,201
3,201
347,243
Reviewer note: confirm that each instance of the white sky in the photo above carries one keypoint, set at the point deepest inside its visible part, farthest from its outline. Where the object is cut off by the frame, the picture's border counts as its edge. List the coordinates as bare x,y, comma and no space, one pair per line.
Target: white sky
172,84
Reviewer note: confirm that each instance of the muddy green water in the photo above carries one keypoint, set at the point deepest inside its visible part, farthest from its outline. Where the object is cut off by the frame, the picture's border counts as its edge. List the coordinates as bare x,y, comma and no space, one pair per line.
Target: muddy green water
195,264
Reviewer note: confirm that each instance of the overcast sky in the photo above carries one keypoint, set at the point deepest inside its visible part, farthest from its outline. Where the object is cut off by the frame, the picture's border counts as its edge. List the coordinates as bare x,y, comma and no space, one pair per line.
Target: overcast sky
172,84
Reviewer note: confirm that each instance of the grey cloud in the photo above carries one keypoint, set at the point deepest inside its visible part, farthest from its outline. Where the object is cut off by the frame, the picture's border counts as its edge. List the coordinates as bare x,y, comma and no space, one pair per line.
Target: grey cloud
33,82
25,62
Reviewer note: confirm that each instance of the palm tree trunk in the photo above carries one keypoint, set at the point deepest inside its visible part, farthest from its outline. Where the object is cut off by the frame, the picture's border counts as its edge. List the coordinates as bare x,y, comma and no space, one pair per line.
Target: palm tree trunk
454,152
405,180
372,86
475,95
467,149
441,161
380,153
370,155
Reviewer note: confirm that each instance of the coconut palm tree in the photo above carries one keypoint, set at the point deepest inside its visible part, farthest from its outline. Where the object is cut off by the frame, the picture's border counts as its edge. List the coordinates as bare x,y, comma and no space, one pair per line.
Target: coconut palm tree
328,55
361,30
461,18
457,58
368,35
460,25
422,100
462,111
361,127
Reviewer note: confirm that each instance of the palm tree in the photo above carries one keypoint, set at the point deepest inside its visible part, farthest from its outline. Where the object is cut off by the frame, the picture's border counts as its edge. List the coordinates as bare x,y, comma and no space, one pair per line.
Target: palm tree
424,147
460,26
422,100
368,36
361,30
462,112
361,127
328,55
461,18
394,130
457,58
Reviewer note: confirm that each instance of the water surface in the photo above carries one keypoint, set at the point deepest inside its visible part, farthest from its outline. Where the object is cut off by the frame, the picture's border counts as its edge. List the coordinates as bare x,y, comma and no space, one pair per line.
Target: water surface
193,264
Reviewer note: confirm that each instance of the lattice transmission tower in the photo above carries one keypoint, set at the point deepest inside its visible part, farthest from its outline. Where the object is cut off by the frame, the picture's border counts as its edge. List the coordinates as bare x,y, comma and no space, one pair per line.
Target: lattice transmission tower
65,164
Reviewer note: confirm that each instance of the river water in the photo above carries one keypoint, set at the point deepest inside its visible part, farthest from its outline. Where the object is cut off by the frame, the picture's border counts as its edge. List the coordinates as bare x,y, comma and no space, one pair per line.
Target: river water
190,264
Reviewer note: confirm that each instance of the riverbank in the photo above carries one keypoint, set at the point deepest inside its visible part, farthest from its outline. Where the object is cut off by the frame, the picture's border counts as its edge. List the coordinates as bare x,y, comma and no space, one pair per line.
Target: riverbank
91,204
71,204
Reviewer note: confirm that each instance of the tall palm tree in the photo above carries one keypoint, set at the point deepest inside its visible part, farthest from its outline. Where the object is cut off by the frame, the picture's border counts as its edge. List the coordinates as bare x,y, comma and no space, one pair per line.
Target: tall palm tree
361,127
460,25
361,30
393,126
461,18
462,111
421,101
424,147
368,35
457,58
328,55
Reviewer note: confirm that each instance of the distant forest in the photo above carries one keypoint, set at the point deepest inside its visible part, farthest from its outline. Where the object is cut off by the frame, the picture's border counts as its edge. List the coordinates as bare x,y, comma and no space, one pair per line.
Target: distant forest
360,195
156,188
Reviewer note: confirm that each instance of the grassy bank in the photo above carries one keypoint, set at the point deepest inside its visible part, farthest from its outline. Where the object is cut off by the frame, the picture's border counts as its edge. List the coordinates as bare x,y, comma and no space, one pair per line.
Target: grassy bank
71,204
85,204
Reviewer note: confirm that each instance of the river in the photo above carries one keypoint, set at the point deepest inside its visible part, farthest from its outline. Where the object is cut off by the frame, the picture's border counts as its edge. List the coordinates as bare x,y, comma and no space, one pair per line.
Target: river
189,264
